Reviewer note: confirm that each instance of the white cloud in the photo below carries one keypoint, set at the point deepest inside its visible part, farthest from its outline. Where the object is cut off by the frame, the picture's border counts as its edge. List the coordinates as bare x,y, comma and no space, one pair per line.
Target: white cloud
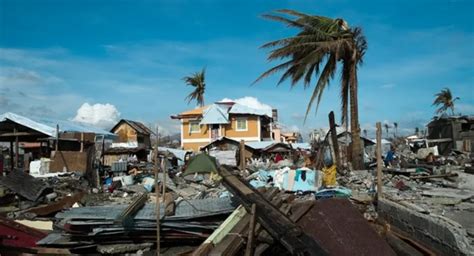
251,102
463,108
100,115
388,86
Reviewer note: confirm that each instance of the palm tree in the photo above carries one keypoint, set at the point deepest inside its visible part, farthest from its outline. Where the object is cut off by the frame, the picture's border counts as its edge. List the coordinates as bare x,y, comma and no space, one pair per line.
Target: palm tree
417,130
197,80
321,42
365,133
395,125
445,99
386,128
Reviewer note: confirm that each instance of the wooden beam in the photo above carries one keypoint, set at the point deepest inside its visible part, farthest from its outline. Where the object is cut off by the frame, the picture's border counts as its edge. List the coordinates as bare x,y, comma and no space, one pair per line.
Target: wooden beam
379,160
16,148
242,155
19,134
82,142
57,138
250,239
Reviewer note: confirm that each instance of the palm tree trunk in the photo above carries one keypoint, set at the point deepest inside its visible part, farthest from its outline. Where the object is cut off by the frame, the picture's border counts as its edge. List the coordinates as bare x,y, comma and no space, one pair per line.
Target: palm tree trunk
357,160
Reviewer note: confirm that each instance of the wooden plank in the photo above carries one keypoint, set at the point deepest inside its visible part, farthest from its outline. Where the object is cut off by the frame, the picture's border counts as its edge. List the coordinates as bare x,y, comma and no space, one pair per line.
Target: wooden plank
250,238
242,155
233,242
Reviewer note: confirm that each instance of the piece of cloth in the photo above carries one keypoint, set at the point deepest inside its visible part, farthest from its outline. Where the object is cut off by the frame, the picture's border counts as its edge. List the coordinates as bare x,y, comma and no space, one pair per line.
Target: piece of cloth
297,175
303,175
389,157
292,177
278,158
329,178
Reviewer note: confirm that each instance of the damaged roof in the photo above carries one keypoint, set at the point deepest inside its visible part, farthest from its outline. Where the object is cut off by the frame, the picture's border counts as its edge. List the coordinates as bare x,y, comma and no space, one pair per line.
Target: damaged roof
137,126
215,115
218,113
47,126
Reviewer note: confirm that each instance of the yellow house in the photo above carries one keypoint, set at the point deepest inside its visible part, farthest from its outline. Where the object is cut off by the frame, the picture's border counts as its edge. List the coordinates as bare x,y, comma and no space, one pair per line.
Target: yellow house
202,126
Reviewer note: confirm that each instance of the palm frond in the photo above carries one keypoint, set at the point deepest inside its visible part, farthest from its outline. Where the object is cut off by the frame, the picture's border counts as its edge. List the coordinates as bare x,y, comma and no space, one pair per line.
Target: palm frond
323,81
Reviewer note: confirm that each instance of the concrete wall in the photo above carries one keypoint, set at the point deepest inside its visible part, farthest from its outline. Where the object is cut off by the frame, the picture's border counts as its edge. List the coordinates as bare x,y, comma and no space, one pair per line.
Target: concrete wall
434,232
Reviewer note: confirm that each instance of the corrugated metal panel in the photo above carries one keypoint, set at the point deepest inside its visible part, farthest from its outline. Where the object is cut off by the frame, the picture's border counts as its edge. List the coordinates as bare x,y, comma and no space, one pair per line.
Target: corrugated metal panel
184,210
47,126
215,115
342,230
242,109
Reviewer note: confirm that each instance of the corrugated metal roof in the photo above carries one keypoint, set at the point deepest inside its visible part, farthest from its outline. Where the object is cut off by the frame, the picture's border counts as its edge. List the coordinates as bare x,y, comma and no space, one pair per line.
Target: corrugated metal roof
242,109
47,126
184,210
303,145
137,126
260,144
215,115
196,111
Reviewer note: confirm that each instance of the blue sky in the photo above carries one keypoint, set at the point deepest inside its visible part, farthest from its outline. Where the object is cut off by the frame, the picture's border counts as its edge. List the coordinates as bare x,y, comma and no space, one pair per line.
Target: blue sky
57,55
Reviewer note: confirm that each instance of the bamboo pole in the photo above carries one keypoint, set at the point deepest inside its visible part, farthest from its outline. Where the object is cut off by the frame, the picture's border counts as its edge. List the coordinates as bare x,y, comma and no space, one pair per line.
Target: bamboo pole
379,160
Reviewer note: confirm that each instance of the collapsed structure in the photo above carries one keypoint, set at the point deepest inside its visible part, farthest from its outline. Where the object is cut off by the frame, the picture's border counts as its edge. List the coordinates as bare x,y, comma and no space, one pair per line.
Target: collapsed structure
240,192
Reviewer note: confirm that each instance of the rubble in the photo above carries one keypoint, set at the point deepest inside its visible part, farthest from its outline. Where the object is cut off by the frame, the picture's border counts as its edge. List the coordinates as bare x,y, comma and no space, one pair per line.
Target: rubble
281,200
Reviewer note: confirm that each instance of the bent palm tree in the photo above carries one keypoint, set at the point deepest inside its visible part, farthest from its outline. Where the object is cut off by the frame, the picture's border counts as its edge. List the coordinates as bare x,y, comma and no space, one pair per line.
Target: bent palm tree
386,129
321,42
197,80
395,125
445,99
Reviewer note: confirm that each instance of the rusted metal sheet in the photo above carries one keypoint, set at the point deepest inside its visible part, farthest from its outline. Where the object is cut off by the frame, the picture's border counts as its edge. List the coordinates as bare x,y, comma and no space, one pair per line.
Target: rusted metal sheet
342,230
64,203
24,185
13,234
278,225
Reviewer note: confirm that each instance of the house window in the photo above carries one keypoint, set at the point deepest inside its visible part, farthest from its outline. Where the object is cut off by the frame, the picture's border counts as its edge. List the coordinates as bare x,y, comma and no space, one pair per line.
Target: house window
194,126
241,124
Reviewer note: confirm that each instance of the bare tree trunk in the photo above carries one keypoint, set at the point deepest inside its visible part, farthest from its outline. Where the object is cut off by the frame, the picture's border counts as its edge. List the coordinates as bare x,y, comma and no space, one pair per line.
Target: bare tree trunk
357,159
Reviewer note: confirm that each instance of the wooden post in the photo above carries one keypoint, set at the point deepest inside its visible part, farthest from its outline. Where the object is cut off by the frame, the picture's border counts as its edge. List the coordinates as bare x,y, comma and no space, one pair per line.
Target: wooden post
103,149
82,142
12,156
157,193
16,147
242,155
379,160
164,171
335,144
251,235
57,138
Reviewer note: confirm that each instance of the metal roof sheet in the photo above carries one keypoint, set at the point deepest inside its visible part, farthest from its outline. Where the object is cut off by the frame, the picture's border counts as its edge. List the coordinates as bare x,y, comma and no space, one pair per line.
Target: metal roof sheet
47,126
215,115
242,109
